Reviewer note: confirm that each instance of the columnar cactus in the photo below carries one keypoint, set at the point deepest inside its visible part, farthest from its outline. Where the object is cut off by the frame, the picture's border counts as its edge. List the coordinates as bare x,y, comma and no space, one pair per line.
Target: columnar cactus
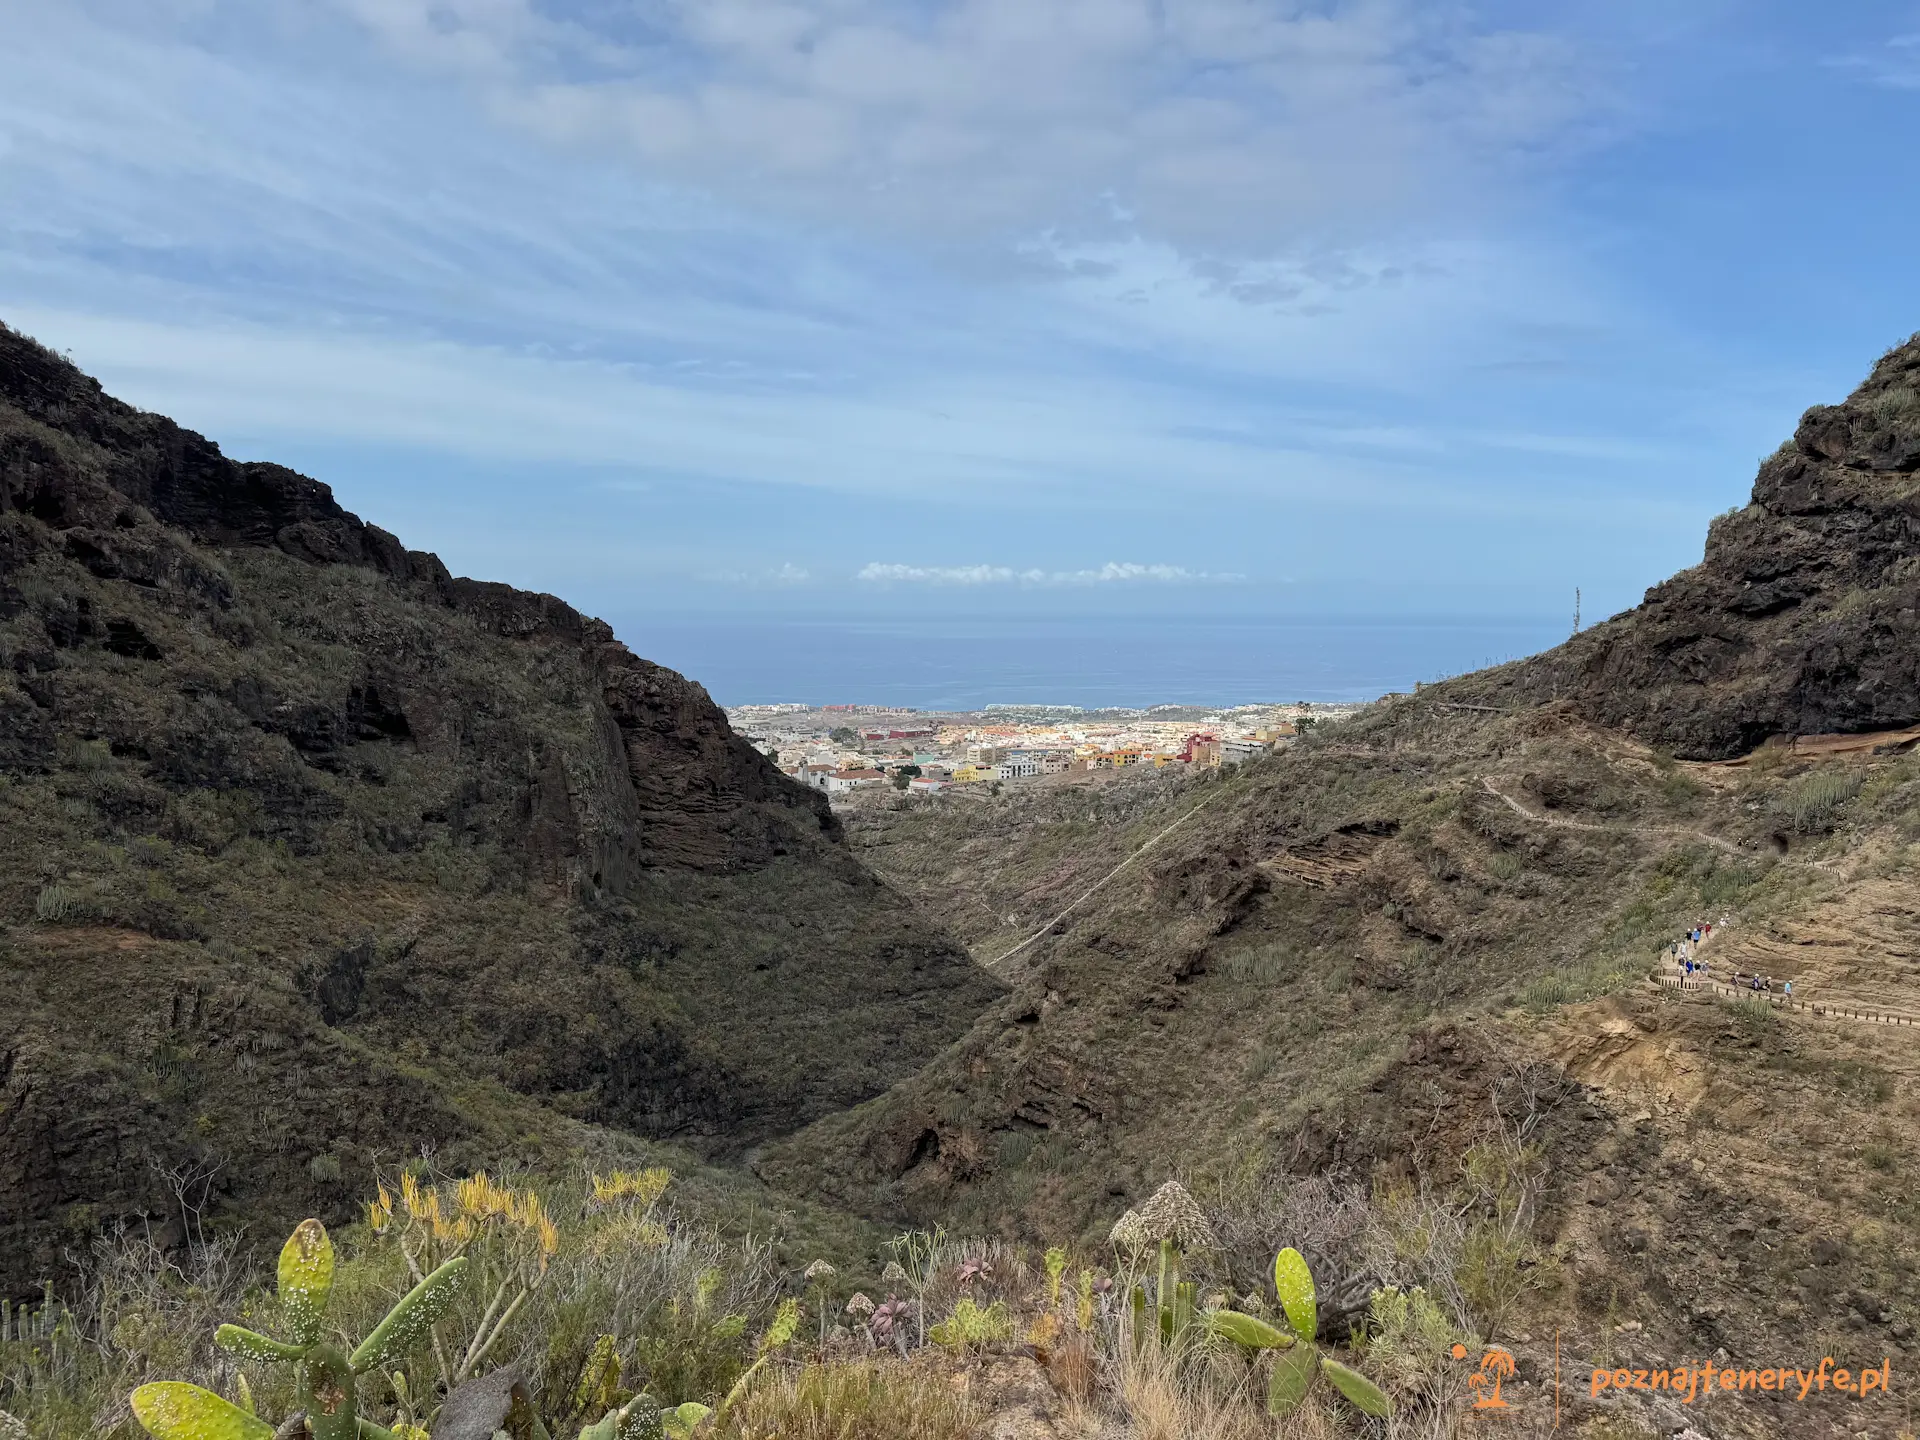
174,1410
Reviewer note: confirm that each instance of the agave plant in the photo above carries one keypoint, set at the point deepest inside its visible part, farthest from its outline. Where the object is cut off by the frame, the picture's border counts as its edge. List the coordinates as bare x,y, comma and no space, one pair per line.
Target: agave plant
1298,1361
175,1410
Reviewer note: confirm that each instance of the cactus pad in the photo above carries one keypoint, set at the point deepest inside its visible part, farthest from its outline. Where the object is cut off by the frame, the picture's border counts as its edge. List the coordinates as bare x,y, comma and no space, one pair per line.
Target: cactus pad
408,1321
175,1410
306,1279
1293,1283
1247,1330
679,1422
251,1345
1293,1372
1365,1395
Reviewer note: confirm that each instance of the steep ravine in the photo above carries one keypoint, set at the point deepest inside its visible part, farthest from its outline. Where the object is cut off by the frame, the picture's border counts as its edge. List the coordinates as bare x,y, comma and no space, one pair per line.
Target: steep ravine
313,854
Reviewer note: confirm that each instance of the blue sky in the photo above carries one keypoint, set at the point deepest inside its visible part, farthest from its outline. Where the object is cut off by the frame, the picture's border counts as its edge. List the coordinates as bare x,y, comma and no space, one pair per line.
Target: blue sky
792,306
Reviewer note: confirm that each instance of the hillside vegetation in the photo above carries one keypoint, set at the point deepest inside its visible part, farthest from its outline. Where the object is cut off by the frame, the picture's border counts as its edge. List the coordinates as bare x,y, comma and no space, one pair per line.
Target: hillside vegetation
313,856
1393,1003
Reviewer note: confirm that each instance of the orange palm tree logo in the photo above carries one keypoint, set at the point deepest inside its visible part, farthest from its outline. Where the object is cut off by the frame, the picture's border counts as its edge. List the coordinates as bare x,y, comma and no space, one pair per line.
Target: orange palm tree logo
1495,1366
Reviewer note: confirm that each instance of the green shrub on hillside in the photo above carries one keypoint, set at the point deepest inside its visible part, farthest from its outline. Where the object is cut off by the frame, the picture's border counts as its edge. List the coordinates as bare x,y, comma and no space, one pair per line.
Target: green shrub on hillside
1814,804
597,1287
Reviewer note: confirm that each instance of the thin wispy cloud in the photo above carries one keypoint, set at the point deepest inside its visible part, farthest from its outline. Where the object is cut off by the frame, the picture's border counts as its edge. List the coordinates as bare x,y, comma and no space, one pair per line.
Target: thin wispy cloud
642,294
1214,123
1894,63
785,575
1114,572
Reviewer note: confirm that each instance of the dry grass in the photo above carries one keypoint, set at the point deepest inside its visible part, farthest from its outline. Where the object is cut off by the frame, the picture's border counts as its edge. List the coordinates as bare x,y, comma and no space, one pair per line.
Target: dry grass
1164,1398
871,1399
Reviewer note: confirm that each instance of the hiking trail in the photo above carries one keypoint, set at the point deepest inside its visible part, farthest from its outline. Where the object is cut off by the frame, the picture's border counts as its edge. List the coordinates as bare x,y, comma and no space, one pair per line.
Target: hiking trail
1564,824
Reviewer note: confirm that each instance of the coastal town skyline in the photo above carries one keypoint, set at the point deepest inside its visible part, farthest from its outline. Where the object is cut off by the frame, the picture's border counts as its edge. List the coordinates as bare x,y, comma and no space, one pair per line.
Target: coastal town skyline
845,748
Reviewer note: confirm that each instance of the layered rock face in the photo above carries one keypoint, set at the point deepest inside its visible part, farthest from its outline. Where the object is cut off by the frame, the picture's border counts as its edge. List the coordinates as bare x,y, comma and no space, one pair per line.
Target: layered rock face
312,854
1803,617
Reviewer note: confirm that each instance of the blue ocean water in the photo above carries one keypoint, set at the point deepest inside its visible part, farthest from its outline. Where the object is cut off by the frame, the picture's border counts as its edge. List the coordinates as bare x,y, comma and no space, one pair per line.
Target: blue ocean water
967,663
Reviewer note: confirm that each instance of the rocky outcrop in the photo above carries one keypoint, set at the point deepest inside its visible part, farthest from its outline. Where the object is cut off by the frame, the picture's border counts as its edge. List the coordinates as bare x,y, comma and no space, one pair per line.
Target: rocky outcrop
1804,616
446,855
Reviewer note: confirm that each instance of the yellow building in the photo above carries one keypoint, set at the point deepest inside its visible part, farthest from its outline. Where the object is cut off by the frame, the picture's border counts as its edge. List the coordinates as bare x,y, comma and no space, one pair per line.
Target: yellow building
970,772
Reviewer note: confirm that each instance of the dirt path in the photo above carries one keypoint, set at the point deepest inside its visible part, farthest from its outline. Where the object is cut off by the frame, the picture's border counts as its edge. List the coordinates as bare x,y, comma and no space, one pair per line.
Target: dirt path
1670,830
1673,976
1830,1010
992,965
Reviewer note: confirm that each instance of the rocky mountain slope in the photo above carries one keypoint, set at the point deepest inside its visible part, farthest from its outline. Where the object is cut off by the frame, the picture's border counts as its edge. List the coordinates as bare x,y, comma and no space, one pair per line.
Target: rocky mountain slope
1430,934
312,854
1804,615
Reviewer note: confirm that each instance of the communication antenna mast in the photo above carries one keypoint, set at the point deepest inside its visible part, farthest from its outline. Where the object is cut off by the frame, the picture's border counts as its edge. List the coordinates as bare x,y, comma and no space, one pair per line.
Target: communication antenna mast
1576,609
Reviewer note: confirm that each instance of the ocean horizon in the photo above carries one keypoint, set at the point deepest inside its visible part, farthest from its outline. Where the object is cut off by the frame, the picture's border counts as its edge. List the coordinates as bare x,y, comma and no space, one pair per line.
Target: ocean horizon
1094,662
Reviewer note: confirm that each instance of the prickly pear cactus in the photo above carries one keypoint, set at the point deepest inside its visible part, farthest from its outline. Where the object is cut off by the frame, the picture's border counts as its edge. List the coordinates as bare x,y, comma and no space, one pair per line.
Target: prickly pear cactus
1365,1395
174,1410
306,1280
680,1422
1247,1330
1293,1372
1293,1283
408,1321
1294,1369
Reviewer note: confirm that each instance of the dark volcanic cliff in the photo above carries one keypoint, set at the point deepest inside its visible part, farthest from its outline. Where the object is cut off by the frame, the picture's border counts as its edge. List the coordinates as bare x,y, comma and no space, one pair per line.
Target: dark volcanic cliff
312,853
1803,617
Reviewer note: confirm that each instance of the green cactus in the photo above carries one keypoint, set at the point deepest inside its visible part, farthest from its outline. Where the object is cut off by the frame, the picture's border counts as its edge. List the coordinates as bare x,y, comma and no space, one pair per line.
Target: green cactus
1298,1359
1293,1372
643,1419
173,1410
1248,1331
1293,1283
1056,1268
1175,1306
1362,1392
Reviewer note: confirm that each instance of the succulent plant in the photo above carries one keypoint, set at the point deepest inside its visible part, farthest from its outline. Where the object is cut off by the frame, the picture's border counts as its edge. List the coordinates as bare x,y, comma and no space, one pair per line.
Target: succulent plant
1298,1360
1169,1317
643,1417
175,1410
1056,1261
971,1326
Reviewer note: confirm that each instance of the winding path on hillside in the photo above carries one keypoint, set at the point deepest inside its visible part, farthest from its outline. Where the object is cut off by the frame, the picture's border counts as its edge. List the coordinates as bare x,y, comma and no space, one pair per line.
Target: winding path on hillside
1562,823
1673,977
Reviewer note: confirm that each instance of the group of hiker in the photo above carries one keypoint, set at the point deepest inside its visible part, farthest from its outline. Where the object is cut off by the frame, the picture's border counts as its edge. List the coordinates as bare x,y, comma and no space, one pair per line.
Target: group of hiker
1684,955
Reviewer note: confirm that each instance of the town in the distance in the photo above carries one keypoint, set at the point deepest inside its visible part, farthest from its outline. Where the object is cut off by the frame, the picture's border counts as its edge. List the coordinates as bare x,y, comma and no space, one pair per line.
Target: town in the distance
845,748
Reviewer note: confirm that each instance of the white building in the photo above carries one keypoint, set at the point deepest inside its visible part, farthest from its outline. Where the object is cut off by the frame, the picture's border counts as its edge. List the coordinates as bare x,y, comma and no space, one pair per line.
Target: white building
1232,752
841,781
813,776
1017,767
